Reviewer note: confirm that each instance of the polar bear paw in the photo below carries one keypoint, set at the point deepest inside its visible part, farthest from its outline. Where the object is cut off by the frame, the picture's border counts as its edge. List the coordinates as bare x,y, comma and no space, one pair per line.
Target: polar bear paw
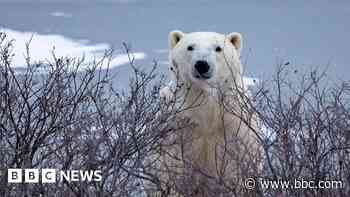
166,95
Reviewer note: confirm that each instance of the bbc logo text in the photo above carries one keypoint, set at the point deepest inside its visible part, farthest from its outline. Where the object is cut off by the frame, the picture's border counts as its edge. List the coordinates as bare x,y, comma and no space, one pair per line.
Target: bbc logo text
52,175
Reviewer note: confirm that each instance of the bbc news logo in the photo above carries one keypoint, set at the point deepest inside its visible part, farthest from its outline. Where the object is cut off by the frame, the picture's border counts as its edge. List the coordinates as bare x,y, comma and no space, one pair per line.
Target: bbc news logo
52,175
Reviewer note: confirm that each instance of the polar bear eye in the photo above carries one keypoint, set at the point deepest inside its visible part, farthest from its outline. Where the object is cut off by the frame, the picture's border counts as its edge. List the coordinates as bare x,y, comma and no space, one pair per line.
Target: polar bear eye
218,49
190,48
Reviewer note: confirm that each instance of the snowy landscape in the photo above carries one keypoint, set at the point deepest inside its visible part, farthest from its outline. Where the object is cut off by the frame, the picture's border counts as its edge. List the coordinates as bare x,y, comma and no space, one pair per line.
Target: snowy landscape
81,89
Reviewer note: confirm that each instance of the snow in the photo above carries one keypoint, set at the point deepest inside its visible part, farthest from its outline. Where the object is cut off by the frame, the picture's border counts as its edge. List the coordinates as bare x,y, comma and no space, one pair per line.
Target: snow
61,14
42,45
250,81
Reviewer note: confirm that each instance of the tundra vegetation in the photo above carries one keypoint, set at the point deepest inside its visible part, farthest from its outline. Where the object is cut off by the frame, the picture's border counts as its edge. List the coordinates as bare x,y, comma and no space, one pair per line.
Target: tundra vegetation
64,113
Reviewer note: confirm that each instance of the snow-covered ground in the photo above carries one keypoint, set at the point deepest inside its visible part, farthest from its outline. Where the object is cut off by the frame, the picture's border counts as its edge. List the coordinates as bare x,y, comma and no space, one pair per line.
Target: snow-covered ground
42,45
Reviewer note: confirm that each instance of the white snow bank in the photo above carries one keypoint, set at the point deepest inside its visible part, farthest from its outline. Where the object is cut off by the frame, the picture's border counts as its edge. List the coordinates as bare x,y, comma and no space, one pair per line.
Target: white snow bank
42,45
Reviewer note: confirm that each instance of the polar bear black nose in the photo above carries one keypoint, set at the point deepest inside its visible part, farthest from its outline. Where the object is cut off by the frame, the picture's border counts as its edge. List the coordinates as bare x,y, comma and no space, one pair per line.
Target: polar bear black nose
202,67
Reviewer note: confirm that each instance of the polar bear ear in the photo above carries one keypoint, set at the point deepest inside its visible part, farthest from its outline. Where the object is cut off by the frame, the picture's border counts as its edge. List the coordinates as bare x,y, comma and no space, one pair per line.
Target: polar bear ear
174,38
236,39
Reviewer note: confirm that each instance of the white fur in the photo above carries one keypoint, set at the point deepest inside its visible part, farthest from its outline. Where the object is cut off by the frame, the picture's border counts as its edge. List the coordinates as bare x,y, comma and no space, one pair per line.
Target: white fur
213,123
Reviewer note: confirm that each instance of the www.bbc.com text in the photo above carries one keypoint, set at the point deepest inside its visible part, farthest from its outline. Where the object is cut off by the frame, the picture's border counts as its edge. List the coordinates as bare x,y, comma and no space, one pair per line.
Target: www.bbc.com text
266,184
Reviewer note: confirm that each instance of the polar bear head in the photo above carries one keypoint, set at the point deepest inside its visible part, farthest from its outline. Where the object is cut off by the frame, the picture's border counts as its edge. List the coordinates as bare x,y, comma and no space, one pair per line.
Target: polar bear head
205,59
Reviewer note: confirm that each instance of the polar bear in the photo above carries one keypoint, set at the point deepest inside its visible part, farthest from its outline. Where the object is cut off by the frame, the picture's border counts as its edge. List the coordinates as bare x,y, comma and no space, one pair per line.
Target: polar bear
207,84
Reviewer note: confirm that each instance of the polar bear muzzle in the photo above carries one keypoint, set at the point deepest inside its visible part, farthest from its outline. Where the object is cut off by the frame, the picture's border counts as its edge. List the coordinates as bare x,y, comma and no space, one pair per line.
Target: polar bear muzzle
202,70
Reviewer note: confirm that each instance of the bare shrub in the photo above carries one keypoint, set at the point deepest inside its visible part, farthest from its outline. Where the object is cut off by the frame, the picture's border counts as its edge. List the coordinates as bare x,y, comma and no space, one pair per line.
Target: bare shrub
307,126
65,114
